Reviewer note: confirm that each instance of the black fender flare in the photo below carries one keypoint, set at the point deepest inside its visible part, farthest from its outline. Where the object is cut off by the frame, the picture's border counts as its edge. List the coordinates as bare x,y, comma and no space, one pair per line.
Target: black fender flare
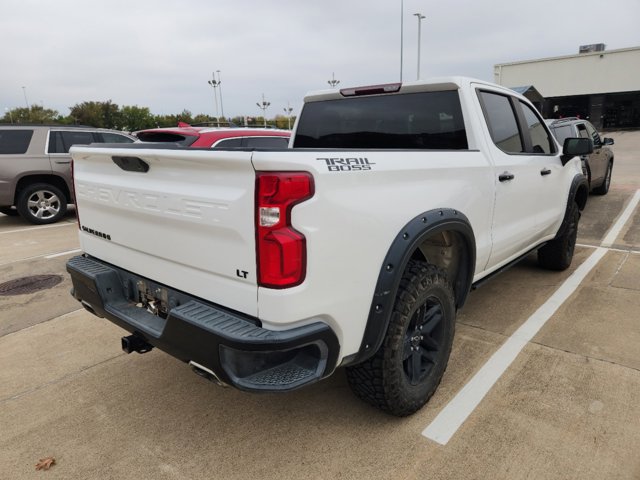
578,193
395,262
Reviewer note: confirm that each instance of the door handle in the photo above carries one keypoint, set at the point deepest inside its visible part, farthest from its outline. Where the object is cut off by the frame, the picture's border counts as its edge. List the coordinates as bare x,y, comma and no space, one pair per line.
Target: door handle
506,176
545,171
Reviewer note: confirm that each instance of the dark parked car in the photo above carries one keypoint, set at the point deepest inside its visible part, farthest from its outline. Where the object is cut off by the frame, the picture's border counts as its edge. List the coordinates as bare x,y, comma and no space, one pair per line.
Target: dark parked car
596,166
35,167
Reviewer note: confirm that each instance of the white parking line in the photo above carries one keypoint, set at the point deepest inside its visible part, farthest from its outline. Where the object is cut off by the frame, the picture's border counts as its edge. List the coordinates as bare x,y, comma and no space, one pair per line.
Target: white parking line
57,225
615,231
445,425
454,414
48,257
609,249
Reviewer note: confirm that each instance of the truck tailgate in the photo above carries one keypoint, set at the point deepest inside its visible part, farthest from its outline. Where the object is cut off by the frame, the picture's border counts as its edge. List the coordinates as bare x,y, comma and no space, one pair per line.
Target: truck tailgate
187,221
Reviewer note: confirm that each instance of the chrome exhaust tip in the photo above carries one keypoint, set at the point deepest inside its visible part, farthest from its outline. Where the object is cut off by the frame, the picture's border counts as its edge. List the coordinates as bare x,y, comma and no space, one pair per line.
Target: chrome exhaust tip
207,374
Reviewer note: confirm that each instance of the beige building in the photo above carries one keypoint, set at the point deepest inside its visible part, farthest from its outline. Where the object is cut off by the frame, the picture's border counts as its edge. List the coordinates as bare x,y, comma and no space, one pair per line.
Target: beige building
601,85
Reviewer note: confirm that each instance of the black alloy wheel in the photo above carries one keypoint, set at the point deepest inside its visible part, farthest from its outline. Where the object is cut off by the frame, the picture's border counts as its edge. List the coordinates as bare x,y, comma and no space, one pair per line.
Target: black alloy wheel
407,368
423,341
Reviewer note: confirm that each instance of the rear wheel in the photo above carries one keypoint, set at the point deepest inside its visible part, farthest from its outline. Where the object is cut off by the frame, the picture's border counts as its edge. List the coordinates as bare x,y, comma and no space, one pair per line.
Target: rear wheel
557,254
42,203
604,188
401,377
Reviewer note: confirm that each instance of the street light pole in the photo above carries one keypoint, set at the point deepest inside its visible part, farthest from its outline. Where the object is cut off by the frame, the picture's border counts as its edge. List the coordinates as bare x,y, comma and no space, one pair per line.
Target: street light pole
263,106
214,84
288,111
333,82
401,34
24,90
220,86
420,18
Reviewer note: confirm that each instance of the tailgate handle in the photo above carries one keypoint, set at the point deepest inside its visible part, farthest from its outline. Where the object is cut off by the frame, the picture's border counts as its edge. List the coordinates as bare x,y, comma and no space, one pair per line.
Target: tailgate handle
131,164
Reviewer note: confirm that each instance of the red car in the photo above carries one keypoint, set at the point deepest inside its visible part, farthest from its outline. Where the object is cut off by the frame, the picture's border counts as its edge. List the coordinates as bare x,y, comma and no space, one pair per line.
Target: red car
217,137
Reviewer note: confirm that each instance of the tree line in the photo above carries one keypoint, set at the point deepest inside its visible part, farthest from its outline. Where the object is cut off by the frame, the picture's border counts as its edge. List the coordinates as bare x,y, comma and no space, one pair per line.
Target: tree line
126,118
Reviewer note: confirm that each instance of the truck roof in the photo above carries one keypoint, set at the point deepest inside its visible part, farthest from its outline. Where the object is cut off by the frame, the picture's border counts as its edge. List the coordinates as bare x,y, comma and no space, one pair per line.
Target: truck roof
427,85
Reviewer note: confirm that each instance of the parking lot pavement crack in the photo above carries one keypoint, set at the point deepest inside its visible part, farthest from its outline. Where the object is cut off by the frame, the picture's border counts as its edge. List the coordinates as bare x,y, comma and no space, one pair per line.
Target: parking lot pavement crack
25,329
483,329
623,288
587,357
623,278
622,262
58,380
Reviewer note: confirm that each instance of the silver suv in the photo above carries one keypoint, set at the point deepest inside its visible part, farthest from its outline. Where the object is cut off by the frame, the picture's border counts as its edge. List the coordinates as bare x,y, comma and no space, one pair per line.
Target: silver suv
35,168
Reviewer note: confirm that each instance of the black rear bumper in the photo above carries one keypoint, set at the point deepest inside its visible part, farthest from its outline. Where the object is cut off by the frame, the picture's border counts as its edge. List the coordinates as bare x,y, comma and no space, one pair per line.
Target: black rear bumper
232,345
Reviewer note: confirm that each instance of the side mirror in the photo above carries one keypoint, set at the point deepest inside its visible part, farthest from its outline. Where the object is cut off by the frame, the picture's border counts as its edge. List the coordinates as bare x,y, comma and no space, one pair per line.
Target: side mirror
575,146
607,141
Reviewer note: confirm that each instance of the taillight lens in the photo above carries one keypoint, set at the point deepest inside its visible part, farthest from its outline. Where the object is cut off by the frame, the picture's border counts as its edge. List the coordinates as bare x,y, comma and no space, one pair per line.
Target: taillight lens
281,250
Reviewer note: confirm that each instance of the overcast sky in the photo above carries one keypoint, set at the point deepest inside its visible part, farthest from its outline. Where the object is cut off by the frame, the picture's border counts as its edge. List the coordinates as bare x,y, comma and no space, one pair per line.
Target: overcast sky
160,54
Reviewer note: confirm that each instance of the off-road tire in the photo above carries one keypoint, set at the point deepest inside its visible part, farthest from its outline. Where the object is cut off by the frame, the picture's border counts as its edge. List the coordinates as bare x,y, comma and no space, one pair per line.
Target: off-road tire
406,370
604,188
557,254
41,203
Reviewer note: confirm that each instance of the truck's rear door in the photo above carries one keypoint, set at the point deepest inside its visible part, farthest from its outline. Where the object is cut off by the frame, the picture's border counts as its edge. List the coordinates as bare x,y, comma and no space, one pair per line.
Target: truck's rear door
181,217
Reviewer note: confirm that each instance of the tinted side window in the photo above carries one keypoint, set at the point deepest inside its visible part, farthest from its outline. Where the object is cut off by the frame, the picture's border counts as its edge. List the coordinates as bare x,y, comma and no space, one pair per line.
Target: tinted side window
115,138
55,143
562,132
502,123
540,139
76,138
582,131
14,141
168,137
426,120
61,141
229,143
594,134
267,142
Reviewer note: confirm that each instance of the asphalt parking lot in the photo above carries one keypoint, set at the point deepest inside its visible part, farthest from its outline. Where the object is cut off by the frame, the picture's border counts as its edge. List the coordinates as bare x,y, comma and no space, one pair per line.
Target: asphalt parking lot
566,407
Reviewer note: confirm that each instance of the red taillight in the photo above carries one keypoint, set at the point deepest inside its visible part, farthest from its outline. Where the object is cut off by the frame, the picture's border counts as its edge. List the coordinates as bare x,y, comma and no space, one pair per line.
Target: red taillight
281,250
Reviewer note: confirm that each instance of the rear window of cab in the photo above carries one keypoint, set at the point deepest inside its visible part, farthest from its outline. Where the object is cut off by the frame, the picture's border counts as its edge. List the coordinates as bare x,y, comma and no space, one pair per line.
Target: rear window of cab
422,121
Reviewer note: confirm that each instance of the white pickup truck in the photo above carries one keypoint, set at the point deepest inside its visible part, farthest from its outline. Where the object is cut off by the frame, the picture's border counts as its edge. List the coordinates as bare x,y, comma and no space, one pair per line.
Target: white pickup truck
355,247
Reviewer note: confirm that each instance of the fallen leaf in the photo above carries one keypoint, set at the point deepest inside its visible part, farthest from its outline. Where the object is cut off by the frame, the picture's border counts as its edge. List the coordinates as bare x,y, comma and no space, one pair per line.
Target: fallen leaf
45,463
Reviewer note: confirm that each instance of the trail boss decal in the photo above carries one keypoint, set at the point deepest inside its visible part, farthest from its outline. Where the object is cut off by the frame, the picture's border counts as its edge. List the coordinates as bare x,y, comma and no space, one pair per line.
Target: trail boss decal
346,164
